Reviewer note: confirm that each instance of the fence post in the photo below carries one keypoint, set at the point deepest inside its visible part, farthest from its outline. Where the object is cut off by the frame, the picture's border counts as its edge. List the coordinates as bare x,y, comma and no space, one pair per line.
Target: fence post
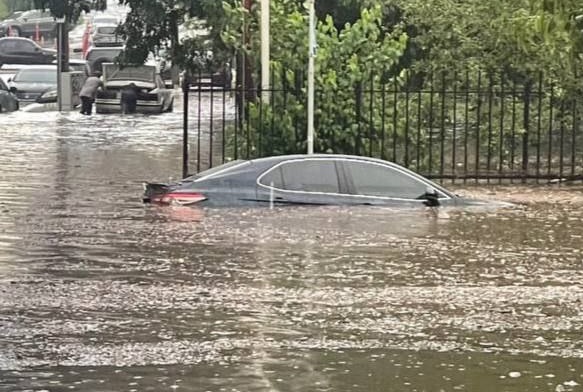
526,125
358,103
185,90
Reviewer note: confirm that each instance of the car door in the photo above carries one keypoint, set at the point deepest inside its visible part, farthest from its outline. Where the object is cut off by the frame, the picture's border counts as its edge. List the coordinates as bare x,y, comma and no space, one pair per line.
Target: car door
376,183
302,181
26,52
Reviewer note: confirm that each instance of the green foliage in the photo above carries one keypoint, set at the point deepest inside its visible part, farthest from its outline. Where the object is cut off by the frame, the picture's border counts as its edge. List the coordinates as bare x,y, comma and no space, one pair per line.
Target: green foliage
154,24
347,60
70,9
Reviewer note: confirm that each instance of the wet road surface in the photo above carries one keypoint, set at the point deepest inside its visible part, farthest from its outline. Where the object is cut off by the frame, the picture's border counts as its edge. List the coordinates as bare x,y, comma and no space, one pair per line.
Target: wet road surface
99,292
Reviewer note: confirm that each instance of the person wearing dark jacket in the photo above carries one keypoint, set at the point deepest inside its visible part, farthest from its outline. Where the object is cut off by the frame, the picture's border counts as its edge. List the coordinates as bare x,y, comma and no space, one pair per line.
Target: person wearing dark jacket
129,98
89,91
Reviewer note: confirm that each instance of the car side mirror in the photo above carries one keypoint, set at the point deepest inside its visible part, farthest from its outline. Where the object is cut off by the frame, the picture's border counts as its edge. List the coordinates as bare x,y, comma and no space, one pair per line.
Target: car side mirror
430,197
13,90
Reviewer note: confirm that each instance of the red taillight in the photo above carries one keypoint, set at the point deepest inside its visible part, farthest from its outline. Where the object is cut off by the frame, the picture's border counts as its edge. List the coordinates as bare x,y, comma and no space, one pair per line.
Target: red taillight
179,198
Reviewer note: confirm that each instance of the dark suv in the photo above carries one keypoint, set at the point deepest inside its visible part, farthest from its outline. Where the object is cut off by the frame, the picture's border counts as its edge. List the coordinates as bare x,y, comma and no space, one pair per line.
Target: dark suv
25,24
15,50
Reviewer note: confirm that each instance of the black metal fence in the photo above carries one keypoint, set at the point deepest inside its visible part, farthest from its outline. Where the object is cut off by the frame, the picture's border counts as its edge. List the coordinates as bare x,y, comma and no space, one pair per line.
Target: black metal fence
459,126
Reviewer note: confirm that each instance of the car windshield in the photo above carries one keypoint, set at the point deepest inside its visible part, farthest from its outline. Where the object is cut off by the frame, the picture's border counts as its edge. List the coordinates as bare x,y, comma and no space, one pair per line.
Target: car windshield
37,76
2,85
106,30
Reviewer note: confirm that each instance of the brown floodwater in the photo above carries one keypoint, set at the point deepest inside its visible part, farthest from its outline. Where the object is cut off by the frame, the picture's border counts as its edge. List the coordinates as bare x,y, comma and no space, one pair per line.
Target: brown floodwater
99,292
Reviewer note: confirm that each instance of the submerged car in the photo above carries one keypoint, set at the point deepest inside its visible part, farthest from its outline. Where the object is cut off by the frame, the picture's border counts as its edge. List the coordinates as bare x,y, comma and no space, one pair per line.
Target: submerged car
152,94
8,102
305,180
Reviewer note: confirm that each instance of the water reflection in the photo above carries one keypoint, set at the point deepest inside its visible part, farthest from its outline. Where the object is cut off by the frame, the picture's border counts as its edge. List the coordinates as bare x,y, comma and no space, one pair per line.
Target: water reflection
100,292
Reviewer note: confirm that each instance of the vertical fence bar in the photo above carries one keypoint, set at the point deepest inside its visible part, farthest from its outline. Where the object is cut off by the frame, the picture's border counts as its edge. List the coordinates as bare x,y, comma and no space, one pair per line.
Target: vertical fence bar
490,105
562,139
407,81
383,114
539,125
371,118
211,129
260,130
419,121
272,110
442,129
550,135
454,125
298,88
430,127
358,100
395,97
478,126
198,135
513,131
466,125
224,117
573,137
501,130
526,126
185,90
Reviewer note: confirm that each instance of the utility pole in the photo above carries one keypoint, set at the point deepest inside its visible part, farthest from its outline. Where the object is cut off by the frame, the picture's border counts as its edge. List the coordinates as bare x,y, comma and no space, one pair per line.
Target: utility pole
265,55
311,59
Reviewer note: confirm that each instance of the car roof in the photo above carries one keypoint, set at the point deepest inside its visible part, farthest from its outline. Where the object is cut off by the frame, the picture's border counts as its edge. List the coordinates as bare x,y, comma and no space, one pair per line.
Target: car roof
16,39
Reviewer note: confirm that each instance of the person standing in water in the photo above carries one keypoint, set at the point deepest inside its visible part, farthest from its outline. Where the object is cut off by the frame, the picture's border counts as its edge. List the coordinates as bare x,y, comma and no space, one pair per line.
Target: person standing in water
89,91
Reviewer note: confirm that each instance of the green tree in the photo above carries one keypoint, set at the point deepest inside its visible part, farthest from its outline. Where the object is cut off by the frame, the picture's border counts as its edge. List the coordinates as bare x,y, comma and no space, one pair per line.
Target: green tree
70,9
152,24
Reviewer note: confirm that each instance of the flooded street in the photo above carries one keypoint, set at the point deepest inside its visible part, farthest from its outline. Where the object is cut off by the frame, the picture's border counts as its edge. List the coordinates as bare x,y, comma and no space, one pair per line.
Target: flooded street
99,292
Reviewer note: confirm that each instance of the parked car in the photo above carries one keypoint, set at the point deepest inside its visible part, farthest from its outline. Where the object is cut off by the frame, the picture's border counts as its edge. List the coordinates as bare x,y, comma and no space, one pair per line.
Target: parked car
8,102
96,57
105,35
305,180
31,83
16,50
153,96
25,24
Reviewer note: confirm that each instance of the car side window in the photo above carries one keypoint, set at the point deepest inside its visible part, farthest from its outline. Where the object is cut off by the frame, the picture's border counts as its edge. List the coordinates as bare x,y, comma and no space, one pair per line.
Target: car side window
3,86
25,46
372,179
310,176
8,46
273,178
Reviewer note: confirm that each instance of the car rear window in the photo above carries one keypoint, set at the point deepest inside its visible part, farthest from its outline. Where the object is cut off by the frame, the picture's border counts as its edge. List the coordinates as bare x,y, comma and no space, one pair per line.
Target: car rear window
216,170
106,30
